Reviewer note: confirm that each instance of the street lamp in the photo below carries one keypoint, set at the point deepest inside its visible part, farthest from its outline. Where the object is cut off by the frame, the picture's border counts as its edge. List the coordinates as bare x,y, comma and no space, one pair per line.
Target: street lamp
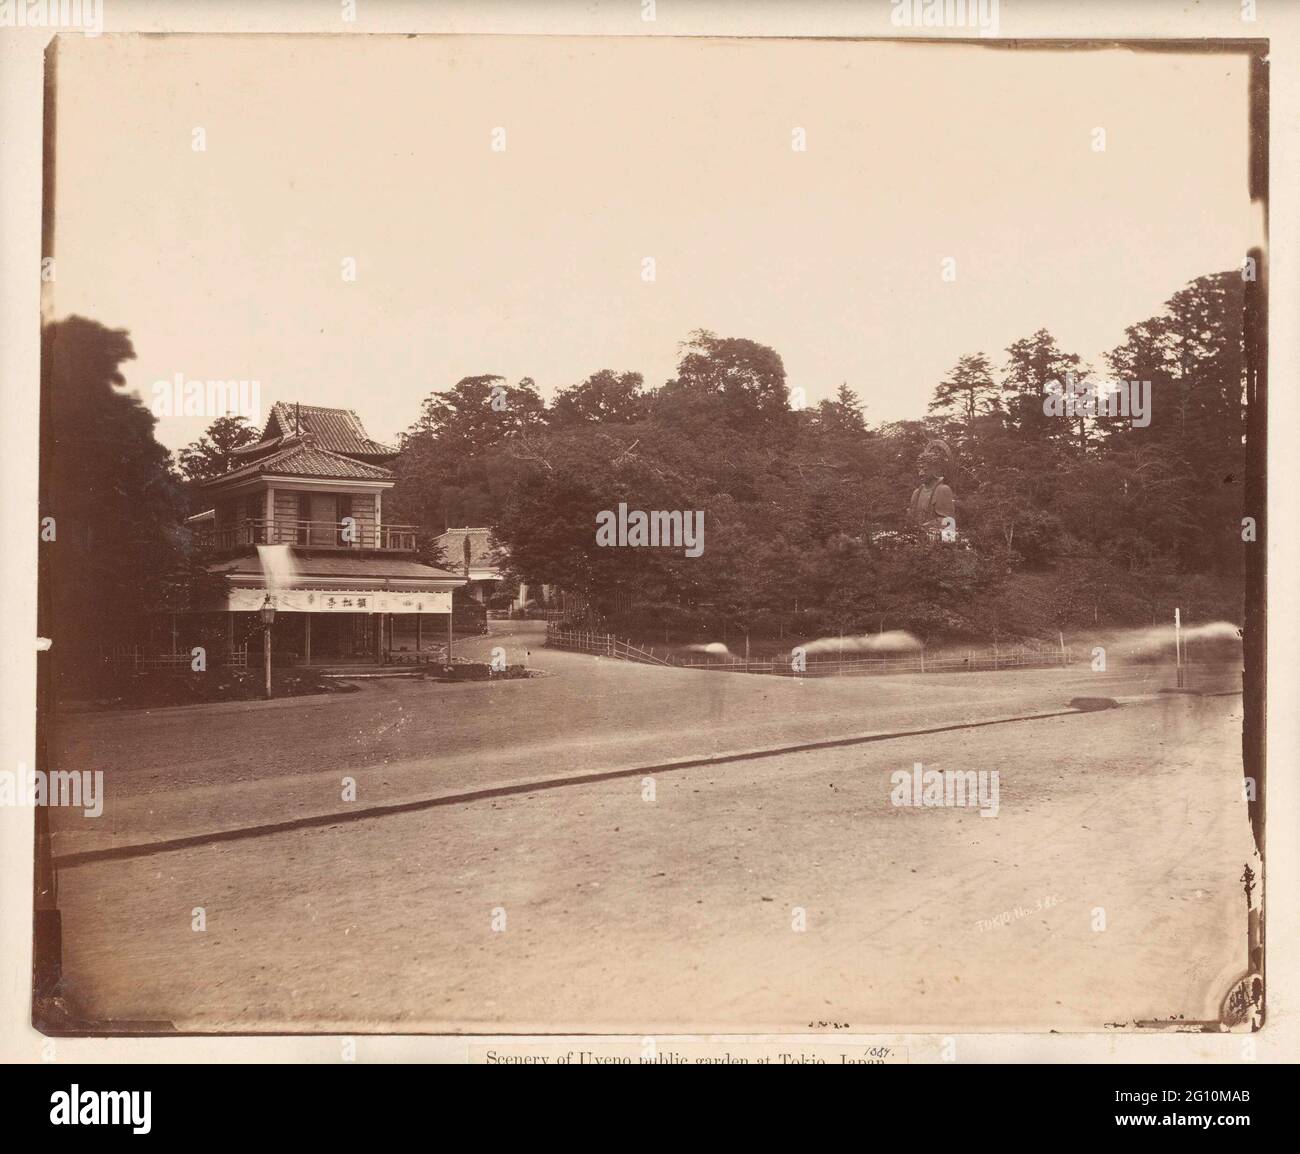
268,619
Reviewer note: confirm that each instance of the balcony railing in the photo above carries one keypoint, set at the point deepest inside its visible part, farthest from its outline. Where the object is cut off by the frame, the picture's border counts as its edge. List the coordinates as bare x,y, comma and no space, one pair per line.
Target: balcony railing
308,534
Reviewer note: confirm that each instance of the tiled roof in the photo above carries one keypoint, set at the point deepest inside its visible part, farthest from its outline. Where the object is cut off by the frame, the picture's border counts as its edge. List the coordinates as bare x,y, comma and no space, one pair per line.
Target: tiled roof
338,430
480,548
371,568
313,461
299,460
258,449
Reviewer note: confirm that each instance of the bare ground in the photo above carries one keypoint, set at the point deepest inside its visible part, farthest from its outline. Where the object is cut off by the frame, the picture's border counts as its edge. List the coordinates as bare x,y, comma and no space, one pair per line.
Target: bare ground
679,912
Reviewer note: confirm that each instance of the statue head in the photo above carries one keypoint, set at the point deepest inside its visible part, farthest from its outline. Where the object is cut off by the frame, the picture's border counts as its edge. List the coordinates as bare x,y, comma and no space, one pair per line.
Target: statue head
933,461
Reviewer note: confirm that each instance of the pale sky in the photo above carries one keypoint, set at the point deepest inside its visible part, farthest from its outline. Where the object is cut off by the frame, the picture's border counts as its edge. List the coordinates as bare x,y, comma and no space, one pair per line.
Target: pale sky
227,263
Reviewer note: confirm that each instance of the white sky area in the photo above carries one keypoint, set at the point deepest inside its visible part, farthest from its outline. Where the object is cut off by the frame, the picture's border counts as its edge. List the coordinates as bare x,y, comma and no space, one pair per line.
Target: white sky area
227,263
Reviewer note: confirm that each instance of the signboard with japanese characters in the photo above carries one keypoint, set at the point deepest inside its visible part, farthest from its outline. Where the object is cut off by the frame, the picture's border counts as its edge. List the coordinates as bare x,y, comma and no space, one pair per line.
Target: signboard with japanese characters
340,601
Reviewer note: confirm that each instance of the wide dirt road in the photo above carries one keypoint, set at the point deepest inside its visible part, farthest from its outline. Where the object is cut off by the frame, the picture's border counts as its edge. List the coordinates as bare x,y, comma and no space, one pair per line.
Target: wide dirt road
190,771
764,893
623,912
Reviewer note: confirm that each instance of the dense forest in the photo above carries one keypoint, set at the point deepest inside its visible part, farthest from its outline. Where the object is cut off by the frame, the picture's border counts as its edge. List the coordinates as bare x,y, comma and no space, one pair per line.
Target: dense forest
1063,521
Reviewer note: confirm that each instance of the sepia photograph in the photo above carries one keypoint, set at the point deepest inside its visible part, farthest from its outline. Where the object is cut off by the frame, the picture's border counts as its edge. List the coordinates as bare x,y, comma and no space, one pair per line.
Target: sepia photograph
741,549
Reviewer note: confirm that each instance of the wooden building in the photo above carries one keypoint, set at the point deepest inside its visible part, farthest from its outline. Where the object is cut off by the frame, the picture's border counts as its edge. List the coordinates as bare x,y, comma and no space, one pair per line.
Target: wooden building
299,519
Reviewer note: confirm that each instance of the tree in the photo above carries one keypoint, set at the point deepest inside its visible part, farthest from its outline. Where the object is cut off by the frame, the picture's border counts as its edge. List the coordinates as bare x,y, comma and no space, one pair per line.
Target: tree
843,414
210,455
968,391
445,469
733,381
1033,362
1192,354
477,413
117,550
609,397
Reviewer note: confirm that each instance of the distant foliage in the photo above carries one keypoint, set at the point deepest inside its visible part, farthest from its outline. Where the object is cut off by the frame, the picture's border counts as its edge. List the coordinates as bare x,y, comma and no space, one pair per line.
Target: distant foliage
211,454
805,529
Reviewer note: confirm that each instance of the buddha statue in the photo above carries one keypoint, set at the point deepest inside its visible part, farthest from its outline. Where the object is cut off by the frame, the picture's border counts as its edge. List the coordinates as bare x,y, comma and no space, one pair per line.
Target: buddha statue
933,506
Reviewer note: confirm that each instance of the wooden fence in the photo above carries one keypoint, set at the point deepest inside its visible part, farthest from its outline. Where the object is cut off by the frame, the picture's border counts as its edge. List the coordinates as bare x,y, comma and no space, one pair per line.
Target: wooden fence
945,661
430,655
129,656
603,645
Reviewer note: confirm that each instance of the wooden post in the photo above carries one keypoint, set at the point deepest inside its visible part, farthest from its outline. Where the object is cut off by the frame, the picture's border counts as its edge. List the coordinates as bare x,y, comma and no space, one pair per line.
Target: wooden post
1178,645
419,627
1060,633
450,632
307,643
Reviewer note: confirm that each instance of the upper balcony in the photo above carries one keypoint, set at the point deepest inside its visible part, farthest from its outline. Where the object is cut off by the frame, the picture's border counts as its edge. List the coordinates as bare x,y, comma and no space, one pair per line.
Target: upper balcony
305,534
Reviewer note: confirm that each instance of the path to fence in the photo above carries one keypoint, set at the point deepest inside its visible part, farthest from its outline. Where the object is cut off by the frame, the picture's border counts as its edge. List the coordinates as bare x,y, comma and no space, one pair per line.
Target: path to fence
946,661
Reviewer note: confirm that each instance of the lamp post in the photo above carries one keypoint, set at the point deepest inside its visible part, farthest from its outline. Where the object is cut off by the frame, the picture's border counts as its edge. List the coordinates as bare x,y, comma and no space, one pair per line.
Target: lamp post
268,619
